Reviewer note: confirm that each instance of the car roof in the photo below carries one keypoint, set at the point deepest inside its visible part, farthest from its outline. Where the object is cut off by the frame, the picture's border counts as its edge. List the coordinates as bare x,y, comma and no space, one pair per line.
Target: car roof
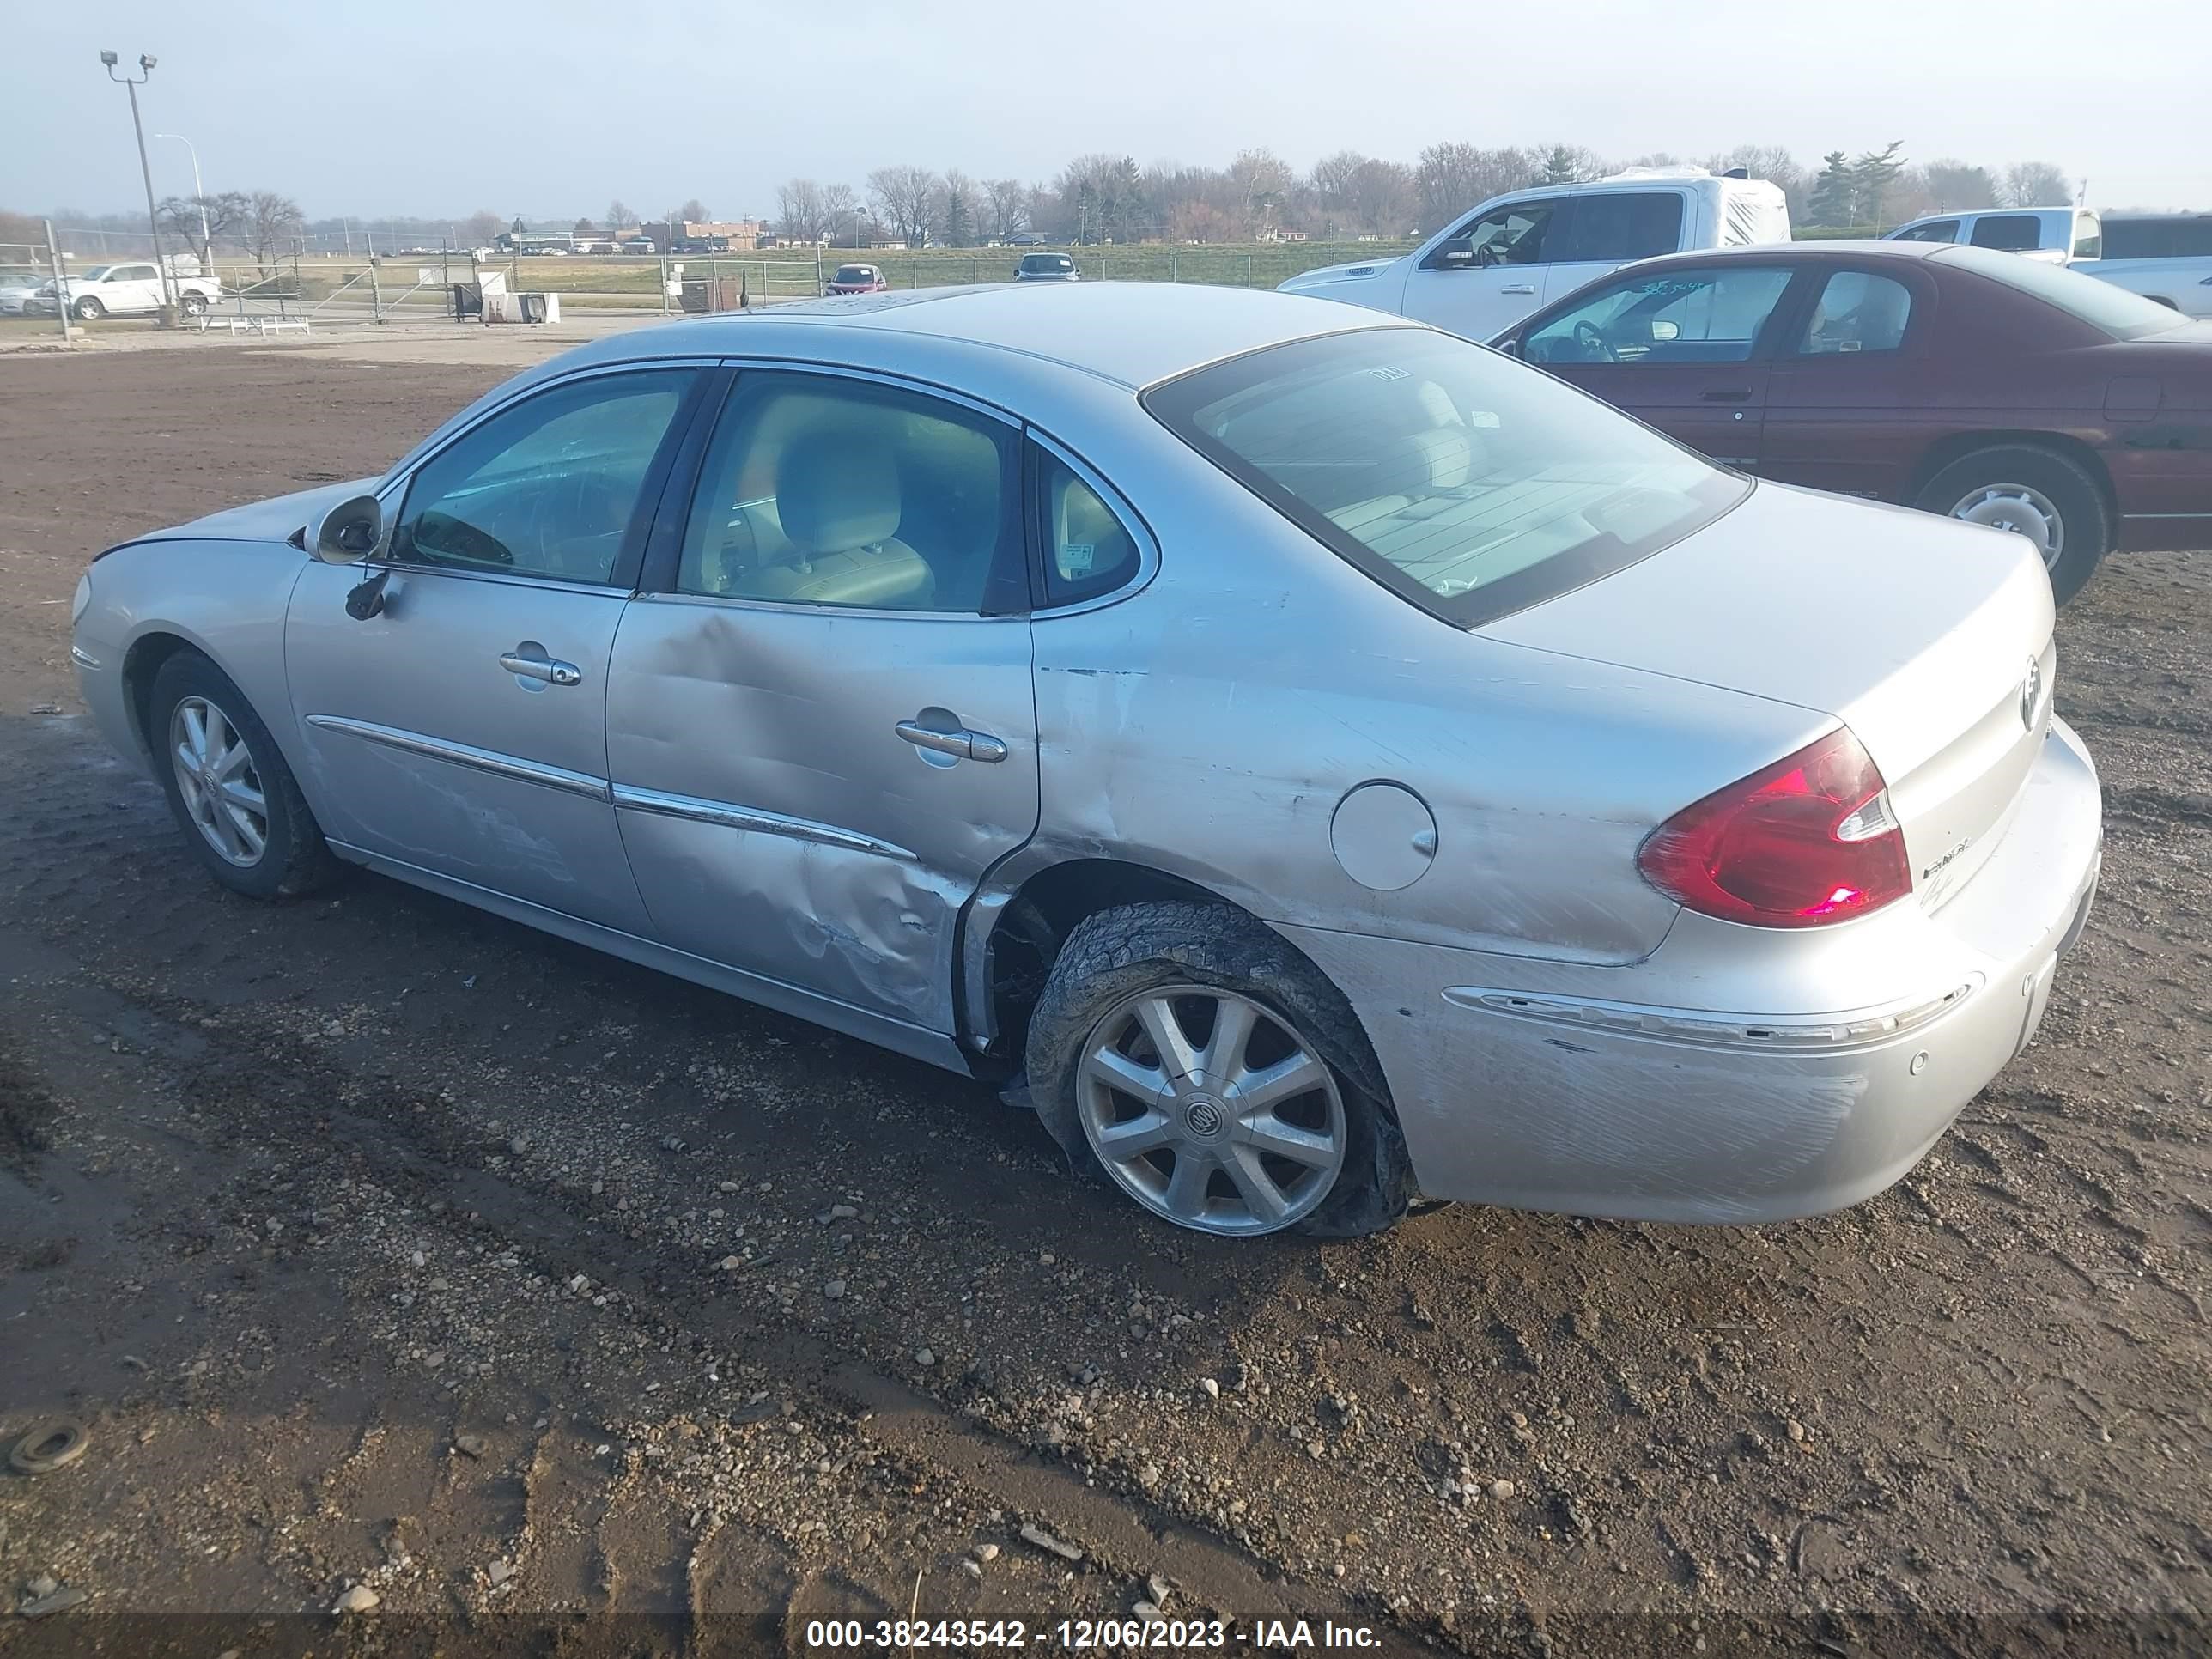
1131,333
1851,247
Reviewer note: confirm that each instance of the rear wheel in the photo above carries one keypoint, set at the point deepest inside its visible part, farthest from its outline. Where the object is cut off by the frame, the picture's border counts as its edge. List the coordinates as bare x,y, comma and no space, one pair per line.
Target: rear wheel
2040,494
1195,1061
228,786
193,305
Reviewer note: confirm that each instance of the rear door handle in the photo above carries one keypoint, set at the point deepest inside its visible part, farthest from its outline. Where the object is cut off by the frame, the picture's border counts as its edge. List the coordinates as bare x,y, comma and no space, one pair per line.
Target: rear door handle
528,661
963,744
1732,394
1517,287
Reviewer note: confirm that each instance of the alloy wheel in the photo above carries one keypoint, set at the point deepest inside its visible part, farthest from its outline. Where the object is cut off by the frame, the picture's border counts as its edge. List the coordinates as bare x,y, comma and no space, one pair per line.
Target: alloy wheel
2024,511
219,782
1211,1110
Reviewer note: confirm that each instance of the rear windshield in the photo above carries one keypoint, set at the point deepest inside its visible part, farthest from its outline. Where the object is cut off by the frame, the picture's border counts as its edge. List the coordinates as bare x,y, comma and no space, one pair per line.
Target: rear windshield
2102,305
1046,262
1470,485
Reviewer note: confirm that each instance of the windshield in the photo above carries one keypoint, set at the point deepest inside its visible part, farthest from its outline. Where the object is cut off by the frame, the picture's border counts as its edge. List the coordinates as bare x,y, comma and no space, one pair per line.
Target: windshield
854,274
97,274
1468,483
2102,305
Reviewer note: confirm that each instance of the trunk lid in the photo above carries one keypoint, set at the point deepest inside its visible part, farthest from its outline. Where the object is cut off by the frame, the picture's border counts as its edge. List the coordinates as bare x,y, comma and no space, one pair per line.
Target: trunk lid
1931,640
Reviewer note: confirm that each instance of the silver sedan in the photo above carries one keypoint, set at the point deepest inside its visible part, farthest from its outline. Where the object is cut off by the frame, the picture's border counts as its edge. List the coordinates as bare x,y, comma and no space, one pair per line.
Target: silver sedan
1311,760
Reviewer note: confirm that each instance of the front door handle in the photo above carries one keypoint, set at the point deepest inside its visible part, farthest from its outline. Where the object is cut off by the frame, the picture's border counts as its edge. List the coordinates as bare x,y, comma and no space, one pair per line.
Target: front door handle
528,661
961,744
1730,394
1517,287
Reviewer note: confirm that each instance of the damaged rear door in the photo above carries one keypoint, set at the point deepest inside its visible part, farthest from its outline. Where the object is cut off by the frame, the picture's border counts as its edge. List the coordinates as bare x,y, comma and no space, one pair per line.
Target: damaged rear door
821,726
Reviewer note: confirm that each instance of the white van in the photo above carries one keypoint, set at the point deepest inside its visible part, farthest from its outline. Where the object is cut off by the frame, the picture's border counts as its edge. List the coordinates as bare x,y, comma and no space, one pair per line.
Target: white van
2053,234
1517,252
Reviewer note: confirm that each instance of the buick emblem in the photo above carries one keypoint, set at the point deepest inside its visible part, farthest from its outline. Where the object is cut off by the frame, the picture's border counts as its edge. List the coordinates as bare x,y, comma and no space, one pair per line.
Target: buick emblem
2031,693
1202,1118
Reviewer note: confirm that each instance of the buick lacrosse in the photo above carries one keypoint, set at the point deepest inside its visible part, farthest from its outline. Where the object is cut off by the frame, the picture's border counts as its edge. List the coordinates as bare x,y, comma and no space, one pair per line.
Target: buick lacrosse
1314,762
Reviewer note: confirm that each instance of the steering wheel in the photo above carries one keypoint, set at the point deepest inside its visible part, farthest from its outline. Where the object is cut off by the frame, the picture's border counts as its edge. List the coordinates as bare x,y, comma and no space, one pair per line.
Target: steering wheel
1590,338
442,532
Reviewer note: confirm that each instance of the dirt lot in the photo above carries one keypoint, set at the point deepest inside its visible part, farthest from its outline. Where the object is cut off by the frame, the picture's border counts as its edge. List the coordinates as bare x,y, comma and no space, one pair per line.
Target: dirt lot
381,1245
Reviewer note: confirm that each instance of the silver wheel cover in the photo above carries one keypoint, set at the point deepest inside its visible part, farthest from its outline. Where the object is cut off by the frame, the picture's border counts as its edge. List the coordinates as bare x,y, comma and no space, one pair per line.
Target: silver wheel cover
218,782
1211,1110
2023,511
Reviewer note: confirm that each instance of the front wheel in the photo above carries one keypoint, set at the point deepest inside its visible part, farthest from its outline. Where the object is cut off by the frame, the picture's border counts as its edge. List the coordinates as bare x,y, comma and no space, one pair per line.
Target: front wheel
1191,1057
228,786
88,310
2040,494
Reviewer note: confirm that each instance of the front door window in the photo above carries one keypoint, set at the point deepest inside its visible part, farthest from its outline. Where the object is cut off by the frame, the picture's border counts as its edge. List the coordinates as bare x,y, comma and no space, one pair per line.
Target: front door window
550,487
1689,316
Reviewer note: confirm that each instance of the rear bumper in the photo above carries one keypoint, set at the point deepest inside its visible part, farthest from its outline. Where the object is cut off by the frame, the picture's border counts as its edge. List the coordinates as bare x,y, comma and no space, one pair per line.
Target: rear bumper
1625,1093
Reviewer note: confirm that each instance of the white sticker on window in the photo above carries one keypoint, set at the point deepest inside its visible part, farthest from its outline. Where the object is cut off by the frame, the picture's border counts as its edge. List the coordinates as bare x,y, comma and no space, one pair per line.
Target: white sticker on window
1076,558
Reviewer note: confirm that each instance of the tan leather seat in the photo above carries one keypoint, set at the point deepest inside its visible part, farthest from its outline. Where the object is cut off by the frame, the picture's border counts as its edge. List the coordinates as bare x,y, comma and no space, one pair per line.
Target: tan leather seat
838,503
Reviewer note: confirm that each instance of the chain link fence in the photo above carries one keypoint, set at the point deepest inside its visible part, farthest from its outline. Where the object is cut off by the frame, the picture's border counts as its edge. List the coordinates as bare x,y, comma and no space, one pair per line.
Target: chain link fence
302,288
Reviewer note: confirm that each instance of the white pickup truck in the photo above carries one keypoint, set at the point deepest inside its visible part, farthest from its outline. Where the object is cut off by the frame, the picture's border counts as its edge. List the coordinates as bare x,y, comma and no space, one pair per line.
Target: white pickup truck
128,291
1490,268
2166,256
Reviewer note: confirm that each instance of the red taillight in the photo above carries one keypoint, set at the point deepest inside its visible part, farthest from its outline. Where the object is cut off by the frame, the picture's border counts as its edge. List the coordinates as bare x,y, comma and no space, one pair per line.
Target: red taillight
1810,840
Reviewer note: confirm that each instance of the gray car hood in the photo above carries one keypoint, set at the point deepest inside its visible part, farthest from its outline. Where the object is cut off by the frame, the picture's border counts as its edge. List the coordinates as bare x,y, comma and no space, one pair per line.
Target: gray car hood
273,520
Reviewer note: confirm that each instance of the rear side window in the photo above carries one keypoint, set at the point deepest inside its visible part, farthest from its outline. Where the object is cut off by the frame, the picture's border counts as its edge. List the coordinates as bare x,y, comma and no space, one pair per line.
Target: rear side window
2015,233
1619,227
2182,236
1857,311
1467,483
1088,547
1936,230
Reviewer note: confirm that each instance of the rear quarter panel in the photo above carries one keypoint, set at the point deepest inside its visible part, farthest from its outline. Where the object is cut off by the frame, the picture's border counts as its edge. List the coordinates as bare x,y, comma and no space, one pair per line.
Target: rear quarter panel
1211,724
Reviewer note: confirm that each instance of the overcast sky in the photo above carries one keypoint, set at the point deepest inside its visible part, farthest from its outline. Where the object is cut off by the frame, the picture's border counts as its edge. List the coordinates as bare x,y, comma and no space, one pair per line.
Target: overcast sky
554,106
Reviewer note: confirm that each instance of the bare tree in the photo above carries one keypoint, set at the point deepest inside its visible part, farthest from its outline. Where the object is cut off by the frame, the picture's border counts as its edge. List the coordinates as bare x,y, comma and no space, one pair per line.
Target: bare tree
1954,185
1332,179
905,199
2036,184
272,222
1007,203
1453,178
480,227
1381,197
201,221
840,211
619,216
693,212
800,214
1262,179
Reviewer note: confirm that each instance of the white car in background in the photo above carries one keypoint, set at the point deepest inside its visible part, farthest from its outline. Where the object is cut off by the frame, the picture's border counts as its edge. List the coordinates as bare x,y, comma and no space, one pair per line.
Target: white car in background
1518,252
2056,236
127,290
2166,256
16,288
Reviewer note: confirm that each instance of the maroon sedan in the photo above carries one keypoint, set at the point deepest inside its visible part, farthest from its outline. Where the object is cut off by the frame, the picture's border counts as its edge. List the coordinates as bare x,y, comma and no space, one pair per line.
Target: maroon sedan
855,279
1958,380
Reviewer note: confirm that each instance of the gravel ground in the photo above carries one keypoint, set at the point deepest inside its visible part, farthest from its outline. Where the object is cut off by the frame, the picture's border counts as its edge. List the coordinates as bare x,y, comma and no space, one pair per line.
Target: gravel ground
400,1260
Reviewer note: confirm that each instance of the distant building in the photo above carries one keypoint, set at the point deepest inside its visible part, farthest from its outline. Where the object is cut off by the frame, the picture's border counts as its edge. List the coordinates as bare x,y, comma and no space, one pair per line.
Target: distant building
713,235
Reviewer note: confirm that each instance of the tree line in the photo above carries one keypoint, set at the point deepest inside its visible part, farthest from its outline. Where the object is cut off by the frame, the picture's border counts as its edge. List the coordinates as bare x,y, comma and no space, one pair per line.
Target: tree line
1106,195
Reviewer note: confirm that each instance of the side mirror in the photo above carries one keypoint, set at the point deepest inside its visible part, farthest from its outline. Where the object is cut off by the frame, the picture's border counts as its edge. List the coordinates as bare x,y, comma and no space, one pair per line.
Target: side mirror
348,533
1455,254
